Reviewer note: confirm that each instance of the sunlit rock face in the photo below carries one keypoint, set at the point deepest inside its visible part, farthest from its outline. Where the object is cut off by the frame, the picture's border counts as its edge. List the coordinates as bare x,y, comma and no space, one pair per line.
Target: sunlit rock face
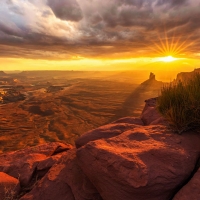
183,76
64,181
143,162
27,163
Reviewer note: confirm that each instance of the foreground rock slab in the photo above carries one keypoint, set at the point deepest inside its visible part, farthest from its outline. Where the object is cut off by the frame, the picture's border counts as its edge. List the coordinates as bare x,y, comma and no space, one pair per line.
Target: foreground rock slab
143,162
23,164
64,181
191,190
129,120
9,186
107,131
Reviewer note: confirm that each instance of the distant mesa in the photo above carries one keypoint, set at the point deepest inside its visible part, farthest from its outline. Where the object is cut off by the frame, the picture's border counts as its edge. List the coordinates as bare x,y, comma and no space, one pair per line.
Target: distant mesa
183,76
152,81
152,76
49,73
12,72
2,73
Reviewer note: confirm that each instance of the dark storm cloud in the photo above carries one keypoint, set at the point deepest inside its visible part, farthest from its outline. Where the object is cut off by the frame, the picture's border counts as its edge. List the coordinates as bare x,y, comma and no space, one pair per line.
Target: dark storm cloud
66,9
9,1
46,13
60,29
172,3
16,10
10,29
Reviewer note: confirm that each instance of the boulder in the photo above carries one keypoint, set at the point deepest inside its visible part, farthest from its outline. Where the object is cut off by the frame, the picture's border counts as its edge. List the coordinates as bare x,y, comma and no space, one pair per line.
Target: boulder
43,166
64,181
150,115
143,162
9,186
22,164
107,131
191,190
129,120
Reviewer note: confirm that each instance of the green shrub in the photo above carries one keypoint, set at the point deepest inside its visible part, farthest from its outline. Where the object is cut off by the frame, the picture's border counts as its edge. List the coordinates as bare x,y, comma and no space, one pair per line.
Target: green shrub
179,103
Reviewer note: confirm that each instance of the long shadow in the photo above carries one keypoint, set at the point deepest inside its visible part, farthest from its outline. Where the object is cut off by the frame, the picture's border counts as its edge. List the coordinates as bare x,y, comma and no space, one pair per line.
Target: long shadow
134,104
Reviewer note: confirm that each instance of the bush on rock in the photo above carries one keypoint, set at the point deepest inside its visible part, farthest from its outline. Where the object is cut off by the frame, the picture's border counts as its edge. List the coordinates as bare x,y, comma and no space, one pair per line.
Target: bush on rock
179,103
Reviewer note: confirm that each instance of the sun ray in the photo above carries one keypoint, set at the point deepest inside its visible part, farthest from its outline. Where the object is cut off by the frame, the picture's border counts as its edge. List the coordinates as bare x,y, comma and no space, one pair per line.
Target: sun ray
166,40
172,42
160,48
171,47
163,45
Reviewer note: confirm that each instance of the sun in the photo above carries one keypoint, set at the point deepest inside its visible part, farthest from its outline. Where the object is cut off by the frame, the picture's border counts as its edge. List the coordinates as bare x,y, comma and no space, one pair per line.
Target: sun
167,59
170,47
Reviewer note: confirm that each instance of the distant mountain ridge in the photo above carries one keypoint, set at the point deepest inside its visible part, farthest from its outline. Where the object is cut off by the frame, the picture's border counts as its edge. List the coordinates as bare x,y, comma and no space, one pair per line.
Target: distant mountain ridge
2,73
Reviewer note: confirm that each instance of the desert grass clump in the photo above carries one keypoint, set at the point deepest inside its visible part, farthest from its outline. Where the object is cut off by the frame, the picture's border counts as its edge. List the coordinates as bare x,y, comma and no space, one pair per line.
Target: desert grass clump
179,103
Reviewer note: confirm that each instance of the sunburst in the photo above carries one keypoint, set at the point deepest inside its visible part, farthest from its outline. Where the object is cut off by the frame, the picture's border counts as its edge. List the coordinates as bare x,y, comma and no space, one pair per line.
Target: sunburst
171,48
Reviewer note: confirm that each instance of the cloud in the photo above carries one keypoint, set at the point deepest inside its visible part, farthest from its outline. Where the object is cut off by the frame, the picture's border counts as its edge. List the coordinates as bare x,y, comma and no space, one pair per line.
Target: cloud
172,3
66,9
62,29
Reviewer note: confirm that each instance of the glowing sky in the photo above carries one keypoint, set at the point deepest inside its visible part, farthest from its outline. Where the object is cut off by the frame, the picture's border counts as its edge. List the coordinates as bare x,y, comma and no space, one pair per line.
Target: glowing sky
98,34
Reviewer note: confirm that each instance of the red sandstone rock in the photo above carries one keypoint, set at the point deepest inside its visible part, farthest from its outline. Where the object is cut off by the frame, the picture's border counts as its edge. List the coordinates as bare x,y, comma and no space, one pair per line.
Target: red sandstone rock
9,186
64,181
146,162
150,115
107,131
44,165
191,190
129,120
22,164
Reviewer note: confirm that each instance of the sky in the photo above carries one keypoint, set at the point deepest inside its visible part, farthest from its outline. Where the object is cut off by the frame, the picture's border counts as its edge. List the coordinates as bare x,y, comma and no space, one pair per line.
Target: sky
99,34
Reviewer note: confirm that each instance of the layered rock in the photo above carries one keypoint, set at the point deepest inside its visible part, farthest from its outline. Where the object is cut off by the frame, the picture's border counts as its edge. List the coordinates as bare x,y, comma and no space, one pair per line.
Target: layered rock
27,163
141,163
64,181
107,131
